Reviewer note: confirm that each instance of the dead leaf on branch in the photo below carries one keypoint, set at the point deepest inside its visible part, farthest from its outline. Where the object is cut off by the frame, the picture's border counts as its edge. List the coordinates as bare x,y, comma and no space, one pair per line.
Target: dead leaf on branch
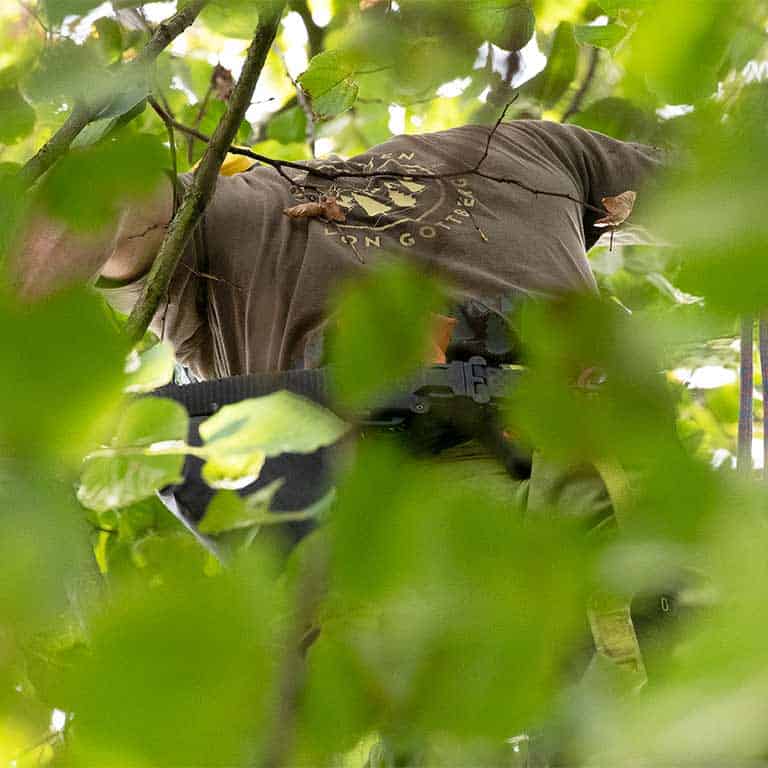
618,209
366,5
326,208
222,82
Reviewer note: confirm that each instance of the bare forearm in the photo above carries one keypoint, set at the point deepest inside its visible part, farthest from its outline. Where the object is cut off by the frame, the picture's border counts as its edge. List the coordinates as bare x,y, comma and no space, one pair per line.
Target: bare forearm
50,256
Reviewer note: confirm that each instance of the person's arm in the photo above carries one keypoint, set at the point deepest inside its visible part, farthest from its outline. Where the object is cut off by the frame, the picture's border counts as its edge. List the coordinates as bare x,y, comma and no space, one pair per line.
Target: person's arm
50,256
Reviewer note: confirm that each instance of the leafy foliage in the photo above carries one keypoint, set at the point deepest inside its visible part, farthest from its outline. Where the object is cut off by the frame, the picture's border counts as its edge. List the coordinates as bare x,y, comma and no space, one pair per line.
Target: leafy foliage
452,607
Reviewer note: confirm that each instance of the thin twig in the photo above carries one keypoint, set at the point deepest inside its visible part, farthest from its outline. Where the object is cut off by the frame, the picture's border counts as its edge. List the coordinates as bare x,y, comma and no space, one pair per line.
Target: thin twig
579,96
199,118
303,103
763,346
32,12
82,114
309,593
492,133
746,384
200,192
280,165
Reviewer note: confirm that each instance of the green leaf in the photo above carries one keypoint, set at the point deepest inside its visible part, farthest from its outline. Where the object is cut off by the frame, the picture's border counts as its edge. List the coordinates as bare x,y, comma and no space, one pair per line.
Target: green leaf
510,25
228,511
233,18
117,478
86,188
288,127
619,118
240,437
606,36
329,83
382,331
550,85
151,369
57,10
110,35
65,72
18,117
696,38
56,381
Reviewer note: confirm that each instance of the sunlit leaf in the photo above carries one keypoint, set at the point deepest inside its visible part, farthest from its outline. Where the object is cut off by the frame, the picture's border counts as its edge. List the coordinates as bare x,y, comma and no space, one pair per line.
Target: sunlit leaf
18,116
239,437
128,472
329,83
228,511
606,36
151,369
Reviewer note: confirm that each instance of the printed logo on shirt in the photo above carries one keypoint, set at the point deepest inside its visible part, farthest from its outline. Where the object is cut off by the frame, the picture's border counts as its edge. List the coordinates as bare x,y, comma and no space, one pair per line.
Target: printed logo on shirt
406,207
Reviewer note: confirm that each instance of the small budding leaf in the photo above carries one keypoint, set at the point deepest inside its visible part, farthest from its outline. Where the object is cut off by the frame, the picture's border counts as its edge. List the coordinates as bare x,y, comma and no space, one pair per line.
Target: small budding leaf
618,209
327,208
228,511
366,5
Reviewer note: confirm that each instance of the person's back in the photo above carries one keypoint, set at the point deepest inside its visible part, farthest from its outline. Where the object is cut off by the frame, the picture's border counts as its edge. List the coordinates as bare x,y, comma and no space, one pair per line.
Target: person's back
492,213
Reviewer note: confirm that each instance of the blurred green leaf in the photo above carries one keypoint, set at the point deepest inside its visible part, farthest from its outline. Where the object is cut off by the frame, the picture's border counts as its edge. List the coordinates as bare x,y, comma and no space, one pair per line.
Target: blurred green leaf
550,85
510,25
110,35
18,116
151,369
114,478
86,188
65,72
57,10
605,36
382,331
44,412
695,38
619,118
228,511
201,639
418,579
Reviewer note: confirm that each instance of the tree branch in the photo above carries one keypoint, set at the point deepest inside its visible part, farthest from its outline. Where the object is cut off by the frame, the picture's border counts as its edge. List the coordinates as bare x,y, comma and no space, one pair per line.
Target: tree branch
82,114
763,346
309,593
579,96
280,165
200,192
746,383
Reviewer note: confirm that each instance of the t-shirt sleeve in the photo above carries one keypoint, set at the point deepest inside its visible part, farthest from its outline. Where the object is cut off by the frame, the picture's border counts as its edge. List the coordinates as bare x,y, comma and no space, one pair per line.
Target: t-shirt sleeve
610,167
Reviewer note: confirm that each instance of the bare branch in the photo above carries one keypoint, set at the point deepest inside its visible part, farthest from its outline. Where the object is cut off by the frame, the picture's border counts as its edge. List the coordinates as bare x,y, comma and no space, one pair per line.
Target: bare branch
200,192
302,630
82,114
579,96
763,346
746,384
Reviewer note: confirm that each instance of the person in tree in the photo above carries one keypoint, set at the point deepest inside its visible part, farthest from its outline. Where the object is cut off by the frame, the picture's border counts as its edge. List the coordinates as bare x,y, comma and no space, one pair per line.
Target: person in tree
496,214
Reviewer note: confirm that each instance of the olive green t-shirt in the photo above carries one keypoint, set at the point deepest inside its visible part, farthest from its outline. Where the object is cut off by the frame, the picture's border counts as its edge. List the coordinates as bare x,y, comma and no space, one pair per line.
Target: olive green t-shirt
251,293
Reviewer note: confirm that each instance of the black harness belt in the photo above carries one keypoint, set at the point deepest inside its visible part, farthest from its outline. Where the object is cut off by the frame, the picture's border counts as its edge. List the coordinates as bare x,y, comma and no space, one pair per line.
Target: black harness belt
438,407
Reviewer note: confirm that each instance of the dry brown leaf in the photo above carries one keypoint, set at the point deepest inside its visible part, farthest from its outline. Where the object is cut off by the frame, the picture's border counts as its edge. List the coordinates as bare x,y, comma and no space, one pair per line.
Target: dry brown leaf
366,5
326,208
618,209
222,82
